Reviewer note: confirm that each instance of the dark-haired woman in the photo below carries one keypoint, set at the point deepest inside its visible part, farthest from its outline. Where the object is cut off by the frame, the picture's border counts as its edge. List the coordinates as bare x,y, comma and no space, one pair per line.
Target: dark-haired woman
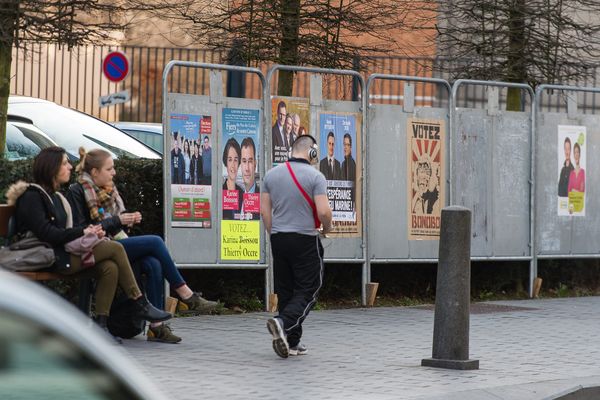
41,209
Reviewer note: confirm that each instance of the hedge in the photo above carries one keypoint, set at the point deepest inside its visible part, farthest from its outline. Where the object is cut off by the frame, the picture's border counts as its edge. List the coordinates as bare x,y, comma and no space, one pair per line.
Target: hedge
139,181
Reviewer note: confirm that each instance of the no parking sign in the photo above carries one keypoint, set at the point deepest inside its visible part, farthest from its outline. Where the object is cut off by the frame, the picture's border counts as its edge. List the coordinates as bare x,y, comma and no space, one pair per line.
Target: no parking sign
115,66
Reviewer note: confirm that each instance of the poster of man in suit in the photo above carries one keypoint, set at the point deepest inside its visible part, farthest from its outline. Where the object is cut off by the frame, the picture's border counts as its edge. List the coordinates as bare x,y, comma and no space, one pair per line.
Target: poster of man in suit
339,148
290,118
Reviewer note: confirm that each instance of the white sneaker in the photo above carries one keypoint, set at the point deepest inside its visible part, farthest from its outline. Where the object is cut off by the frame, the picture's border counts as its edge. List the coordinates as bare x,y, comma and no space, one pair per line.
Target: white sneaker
298,350
280,344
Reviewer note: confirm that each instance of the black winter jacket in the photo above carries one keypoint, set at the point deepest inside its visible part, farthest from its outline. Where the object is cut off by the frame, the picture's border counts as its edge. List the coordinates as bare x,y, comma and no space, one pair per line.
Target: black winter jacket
36,213
81,213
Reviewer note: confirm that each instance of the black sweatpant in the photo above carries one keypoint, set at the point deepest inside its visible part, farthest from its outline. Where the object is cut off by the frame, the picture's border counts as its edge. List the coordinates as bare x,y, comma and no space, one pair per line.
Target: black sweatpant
298,273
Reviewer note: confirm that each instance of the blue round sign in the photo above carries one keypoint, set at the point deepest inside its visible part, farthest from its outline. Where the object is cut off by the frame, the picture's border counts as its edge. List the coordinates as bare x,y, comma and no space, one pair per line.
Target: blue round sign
115,66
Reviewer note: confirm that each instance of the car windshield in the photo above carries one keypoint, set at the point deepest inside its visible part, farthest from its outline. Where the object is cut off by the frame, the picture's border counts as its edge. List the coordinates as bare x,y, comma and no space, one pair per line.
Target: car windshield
38,363
23,143
72,129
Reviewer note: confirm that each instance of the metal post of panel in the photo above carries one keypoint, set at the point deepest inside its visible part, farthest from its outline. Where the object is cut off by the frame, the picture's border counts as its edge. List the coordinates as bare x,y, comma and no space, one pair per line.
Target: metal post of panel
341,250
560,235
192,246
388,233
488,139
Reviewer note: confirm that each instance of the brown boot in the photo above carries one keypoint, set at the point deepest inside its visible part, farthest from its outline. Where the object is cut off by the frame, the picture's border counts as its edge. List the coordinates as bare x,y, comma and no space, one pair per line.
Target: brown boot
196,304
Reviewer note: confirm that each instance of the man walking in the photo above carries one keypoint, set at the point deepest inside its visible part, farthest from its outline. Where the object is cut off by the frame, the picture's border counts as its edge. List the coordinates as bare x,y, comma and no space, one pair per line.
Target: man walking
293,206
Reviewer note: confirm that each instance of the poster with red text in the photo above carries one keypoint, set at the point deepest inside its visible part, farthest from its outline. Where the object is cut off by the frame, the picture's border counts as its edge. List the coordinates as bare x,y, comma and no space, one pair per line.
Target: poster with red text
190,170
425,178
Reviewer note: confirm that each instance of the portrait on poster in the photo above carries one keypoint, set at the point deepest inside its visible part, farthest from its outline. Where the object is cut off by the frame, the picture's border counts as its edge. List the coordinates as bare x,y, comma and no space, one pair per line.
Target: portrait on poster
425,177
571,170
290,118
241,191
340,149
190,170
240,225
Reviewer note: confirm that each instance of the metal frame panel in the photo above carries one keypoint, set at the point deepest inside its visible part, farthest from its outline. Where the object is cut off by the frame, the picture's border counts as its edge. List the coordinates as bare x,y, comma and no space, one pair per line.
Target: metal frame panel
496,221
387,132
564,237
179,240
338,250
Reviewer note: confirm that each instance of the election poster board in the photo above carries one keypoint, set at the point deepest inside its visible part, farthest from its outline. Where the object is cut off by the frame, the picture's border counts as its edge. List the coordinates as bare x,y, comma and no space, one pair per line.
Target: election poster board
571,170
290,118
425,178
191,153
340,162
240,200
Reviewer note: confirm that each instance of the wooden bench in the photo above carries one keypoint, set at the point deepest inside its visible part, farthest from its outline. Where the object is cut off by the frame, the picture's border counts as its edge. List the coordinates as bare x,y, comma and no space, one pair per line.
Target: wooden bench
6,231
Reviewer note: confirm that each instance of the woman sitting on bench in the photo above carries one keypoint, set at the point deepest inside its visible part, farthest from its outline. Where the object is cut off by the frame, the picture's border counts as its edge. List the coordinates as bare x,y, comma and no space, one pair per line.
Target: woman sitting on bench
41,209
95,200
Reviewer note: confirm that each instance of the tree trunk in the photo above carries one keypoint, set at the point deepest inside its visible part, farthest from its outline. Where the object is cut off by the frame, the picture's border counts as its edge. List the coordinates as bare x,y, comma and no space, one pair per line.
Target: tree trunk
516,54
8,18
288,51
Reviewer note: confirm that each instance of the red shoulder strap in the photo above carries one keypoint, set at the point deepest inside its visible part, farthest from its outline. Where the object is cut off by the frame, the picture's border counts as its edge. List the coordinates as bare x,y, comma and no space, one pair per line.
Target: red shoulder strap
306,196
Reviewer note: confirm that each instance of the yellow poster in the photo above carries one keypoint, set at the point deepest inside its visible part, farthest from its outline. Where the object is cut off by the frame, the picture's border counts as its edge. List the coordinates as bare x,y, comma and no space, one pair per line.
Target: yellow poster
240,240
425,177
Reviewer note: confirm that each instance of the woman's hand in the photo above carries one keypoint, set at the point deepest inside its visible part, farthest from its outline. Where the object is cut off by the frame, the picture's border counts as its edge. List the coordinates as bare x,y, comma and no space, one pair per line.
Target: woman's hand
95,229
129,219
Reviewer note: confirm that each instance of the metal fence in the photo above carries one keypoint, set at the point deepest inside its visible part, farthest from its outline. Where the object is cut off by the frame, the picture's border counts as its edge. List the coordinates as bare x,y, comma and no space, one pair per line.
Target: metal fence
74,78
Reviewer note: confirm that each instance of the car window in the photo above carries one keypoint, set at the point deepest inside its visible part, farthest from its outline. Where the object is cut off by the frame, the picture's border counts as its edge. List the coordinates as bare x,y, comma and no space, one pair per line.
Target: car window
72,129
154,140
37,363
20,145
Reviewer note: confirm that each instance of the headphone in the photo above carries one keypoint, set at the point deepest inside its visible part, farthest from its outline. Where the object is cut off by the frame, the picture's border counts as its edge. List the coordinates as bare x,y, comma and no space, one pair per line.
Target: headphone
312,152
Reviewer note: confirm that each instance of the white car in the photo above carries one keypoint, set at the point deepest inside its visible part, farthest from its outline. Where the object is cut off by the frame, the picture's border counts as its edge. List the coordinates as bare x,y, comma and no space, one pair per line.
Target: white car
72,129
24,140
50,350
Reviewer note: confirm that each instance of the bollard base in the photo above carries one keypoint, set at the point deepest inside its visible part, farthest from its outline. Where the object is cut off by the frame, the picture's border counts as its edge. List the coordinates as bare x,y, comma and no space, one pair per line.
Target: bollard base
450,364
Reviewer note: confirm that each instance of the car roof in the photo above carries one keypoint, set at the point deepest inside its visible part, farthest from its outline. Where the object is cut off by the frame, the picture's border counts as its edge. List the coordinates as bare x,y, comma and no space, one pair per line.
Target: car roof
153,127
16,100
36,303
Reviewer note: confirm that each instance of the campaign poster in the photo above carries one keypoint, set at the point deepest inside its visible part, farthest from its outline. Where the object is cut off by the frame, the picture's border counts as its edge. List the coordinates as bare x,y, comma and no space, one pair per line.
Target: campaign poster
571,170
240,225
425,170
340,162
190,169
290,118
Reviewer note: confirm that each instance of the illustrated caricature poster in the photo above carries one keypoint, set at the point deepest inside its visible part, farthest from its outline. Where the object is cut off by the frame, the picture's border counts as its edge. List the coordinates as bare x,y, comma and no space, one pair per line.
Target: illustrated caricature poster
571,170
340,162
425,177
190,169
290,118
240,226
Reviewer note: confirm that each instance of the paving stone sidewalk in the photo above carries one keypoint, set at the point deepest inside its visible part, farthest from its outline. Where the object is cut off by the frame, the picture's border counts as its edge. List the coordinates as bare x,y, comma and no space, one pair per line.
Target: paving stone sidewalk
531,349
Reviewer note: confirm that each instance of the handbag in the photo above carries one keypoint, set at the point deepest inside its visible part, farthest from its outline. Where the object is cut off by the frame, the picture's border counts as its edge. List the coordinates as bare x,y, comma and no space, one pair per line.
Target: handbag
27,255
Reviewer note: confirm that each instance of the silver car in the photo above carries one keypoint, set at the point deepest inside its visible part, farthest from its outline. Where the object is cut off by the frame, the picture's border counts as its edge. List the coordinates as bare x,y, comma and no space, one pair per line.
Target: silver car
72,129
50,350
150,133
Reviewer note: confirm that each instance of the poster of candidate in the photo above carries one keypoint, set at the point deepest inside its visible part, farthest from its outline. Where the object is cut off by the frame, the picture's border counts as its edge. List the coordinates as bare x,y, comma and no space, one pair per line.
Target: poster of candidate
340,149
190,169
240,226
571,170
290,118
425,178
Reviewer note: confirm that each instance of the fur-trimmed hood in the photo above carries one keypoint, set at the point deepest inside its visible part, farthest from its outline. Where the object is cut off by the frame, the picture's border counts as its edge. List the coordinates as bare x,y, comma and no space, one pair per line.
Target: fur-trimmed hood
15,191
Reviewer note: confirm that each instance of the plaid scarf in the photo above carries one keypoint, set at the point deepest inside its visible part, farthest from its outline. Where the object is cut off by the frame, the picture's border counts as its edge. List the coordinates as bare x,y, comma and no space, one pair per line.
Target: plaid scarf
102,202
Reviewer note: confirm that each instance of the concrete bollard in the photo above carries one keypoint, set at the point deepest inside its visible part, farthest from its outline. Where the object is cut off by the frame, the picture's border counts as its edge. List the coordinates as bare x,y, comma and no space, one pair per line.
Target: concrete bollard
452,296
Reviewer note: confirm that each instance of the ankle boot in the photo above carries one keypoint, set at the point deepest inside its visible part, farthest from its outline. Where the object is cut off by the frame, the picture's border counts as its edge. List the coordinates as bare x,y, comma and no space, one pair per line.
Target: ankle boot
146,311
102,321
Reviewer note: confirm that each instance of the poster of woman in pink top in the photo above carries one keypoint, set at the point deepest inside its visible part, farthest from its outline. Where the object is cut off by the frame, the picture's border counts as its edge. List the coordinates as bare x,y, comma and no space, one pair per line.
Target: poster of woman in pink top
572,203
